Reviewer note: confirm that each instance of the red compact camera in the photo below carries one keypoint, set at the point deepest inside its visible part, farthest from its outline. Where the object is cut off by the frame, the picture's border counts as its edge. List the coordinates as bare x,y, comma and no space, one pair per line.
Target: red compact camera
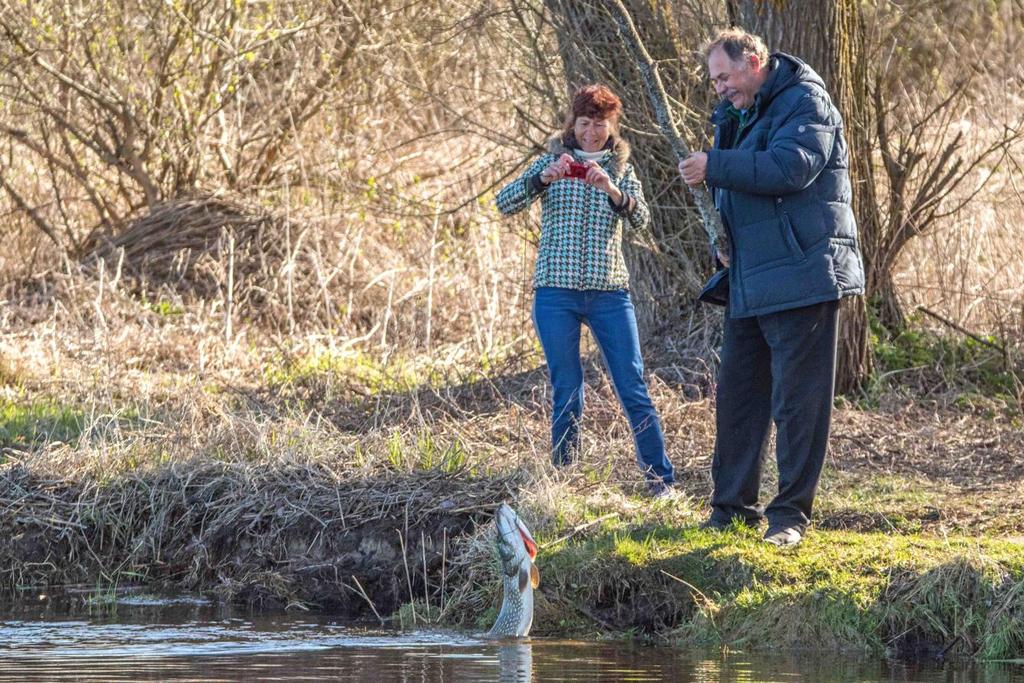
577,170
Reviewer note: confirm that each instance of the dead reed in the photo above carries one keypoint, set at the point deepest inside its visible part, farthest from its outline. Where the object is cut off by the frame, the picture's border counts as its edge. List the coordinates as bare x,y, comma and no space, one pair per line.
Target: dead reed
311,389
275,533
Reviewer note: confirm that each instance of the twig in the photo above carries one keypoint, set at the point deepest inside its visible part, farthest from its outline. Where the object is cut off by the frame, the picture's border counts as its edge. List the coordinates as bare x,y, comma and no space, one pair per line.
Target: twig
444,549
961,330
408,577
648,68
945,650
860,444
366,597
36,217
430,276
709,604
578,528
688,585
426,583
230,295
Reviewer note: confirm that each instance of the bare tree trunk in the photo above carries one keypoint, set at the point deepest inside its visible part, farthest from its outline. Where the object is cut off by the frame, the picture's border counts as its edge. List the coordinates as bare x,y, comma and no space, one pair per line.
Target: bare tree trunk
672,266
829,36
849,84
801,27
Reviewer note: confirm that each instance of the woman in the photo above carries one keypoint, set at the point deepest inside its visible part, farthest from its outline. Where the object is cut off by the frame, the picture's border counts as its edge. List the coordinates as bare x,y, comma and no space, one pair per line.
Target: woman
588,192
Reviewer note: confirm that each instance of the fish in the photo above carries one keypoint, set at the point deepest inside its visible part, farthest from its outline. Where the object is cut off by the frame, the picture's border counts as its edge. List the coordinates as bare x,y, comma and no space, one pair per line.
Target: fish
520,576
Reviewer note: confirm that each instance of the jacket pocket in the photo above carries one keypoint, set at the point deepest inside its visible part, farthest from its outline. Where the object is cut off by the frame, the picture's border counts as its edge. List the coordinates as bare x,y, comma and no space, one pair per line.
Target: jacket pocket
790,237
769,244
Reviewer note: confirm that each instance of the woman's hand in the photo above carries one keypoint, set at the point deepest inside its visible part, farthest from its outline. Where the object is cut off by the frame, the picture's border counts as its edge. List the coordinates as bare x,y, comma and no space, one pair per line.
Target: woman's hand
597,177
556,170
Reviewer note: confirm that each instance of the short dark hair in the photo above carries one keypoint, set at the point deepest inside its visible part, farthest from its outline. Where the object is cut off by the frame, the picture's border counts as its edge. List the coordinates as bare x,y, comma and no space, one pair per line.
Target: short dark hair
738,45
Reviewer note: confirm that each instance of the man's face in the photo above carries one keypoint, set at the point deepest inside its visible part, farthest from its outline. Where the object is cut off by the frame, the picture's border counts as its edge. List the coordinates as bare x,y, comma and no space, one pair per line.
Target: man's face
736,81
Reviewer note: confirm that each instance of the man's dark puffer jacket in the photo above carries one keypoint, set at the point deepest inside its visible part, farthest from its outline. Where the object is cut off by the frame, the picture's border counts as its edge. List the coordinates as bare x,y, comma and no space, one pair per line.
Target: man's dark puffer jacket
783,189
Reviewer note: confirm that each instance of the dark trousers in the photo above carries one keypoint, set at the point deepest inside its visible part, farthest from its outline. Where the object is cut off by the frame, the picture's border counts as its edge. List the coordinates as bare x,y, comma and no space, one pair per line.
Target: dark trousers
778,367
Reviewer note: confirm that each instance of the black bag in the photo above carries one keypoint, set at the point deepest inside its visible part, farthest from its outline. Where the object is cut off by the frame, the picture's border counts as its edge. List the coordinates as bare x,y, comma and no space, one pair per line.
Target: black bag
716,289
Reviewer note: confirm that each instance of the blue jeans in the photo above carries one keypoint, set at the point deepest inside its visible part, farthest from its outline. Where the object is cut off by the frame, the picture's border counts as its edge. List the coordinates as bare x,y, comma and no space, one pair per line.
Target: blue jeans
558,315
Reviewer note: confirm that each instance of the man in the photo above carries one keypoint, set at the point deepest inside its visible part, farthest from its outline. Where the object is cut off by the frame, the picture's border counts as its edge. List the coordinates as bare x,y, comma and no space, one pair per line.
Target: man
779,172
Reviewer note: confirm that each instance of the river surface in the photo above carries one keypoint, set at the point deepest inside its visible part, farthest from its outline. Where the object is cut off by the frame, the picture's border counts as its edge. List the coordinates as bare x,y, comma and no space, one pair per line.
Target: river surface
147,639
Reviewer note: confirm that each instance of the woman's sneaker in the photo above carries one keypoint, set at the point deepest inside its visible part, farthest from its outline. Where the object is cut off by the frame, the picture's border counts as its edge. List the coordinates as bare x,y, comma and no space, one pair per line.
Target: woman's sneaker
659,490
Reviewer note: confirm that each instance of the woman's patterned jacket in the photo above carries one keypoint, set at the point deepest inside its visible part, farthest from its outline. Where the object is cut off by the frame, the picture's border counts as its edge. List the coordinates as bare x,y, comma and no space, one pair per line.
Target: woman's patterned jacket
580,228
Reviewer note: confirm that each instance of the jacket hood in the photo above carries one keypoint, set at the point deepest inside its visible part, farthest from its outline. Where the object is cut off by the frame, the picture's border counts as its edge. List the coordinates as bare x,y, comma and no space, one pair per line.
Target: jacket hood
787,71
620,150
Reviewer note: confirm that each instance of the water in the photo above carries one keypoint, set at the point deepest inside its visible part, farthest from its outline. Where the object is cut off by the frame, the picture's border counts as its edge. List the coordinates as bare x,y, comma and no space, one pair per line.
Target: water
148,639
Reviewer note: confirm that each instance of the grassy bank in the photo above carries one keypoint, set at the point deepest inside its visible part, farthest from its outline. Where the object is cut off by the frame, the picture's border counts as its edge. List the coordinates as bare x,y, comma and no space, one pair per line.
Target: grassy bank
413,545
264,335
308,473
842,591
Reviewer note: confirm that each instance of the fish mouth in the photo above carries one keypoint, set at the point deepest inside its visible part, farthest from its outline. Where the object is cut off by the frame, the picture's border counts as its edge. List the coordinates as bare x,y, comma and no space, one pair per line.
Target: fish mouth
509,526
524,533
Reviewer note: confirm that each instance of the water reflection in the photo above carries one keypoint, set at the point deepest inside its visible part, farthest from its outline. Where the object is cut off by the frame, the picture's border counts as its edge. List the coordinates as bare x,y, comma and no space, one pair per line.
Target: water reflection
515,662
204,644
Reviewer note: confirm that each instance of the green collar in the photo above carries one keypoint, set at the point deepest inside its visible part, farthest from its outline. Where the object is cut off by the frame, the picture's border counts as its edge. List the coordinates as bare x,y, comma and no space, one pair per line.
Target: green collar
744,116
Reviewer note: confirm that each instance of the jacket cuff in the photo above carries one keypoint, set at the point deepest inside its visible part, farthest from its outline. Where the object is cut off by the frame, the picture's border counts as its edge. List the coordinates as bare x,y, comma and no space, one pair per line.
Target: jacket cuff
622,208
711,170
536,184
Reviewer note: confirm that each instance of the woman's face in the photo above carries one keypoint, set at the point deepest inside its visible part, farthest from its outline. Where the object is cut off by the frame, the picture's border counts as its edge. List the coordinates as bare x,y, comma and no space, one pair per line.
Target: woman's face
592,133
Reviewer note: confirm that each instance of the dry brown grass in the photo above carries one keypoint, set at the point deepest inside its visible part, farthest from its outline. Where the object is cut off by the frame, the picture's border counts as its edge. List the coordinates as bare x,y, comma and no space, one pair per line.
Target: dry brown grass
250,404
209,461
277,529
971,269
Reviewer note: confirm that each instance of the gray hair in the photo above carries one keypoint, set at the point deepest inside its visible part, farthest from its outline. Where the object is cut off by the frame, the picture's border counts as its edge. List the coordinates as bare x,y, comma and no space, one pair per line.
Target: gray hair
738,45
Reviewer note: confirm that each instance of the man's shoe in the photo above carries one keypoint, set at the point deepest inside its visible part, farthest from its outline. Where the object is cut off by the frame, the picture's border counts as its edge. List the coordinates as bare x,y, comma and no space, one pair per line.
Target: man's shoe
714,524
783,536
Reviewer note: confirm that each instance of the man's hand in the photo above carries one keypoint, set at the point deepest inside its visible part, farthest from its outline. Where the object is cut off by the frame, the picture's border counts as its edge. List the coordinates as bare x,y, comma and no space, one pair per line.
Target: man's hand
693,168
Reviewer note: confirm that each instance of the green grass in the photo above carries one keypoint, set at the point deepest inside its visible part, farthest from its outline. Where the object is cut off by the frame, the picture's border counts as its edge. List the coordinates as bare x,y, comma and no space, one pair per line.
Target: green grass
976,371
344,370
26,422
352,373
863,592
886,502
163,308
424,450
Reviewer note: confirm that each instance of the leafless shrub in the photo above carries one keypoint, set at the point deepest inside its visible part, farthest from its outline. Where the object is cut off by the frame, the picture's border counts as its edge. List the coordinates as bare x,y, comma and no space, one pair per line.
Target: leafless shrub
944,125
